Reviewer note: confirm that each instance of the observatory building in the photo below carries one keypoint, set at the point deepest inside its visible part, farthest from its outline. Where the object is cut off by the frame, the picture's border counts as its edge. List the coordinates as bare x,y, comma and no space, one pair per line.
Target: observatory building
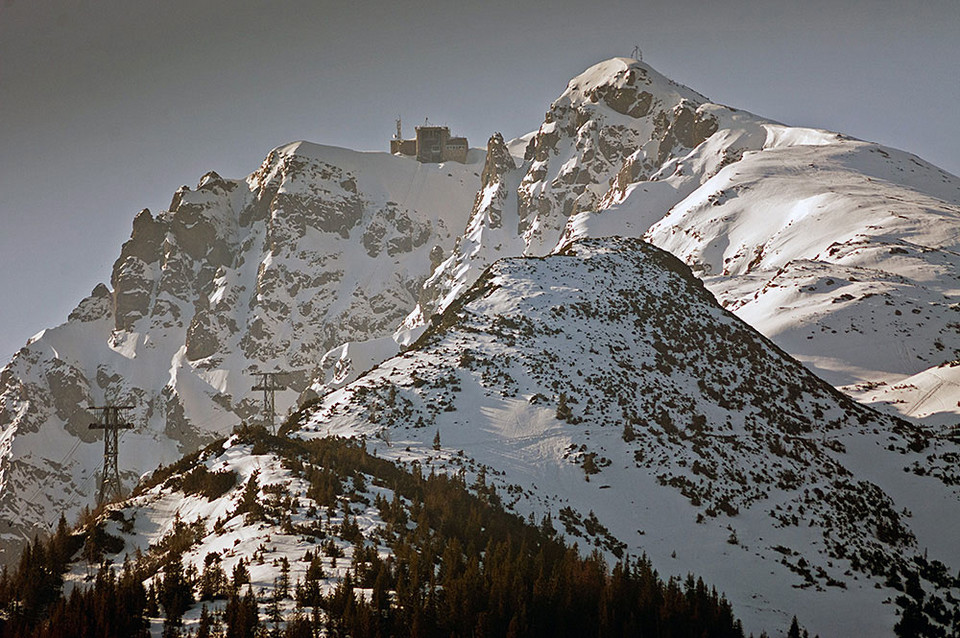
432,144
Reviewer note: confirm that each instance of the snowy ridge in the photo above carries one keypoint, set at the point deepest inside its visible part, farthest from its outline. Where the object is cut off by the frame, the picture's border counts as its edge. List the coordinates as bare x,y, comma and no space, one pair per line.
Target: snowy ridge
221,533
829,249
768,214
299,528
607,376
225,524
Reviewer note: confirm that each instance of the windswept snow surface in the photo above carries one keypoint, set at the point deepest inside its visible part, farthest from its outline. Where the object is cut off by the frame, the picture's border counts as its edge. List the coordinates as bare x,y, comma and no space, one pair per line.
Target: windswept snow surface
845,253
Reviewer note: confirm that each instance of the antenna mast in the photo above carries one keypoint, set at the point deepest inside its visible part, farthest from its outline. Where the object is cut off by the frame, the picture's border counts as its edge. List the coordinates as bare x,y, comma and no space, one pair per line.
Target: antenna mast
108,420
269,385
399,133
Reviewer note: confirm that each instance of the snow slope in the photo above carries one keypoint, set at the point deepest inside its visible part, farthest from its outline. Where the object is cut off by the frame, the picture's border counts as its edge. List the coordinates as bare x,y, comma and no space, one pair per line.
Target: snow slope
603,386
806,240
288,526
844,252
606,379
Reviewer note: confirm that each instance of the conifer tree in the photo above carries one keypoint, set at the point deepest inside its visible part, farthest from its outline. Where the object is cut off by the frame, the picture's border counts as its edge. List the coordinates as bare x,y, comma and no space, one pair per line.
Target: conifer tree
273,611
205,628
241,615
283,583
213,580
152,609
175,592
250,501
241,576
794,631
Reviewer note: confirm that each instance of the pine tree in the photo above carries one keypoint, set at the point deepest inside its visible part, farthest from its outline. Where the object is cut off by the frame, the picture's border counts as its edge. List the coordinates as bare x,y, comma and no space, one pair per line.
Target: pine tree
213,580
794,631
436,440
283,583
241,615
250,501
205,629
273,610
590,464
241,576
175,592
151,609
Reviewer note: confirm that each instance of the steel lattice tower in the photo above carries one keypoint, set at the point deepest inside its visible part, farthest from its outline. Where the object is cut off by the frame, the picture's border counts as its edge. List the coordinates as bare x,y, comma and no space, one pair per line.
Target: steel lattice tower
269,385
108,420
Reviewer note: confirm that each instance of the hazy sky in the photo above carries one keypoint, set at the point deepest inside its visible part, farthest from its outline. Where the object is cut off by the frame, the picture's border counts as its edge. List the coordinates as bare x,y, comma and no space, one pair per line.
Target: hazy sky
108,106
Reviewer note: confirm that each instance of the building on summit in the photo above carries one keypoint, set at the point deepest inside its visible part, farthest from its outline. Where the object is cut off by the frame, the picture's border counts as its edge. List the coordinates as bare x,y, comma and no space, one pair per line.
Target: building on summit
433,144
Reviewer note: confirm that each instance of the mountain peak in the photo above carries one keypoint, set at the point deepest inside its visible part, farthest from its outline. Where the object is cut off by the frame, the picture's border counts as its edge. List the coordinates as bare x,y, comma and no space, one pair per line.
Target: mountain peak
625,74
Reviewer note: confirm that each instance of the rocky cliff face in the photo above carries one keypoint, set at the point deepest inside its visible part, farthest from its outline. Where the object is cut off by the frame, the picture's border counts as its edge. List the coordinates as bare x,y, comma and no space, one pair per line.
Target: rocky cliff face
317,247
616,111
492,223
617,122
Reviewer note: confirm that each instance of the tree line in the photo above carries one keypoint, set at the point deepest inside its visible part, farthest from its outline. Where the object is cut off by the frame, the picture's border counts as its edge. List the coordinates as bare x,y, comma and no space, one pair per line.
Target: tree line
460,565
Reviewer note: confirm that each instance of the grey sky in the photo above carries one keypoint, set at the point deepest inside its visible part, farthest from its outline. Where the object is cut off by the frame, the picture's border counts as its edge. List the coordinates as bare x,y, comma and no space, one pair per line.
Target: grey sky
108,106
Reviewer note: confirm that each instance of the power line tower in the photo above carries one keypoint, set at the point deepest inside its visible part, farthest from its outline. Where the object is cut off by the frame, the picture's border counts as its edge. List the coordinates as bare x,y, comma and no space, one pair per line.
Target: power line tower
269,385
108,420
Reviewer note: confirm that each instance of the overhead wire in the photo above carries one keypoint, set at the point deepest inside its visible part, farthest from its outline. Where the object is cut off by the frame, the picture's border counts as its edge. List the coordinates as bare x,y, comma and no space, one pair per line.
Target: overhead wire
68,456
228,419
64,459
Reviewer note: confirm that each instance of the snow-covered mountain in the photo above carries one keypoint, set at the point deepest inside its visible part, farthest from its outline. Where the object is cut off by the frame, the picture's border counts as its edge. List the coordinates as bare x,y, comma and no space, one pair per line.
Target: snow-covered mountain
828,245
319,246
619,120
511,305
604,388
329,534
606,379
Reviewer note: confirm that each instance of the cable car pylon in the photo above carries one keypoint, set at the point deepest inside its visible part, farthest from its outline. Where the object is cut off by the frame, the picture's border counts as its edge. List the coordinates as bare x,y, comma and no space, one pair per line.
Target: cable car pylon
109,420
